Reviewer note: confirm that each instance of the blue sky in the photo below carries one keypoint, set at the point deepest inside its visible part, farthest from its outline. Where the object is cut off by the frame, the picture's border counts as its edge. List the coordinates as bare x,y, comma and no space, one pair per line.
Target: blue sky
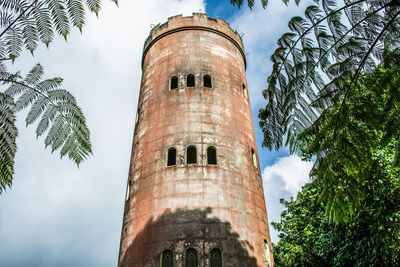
58,215
222,9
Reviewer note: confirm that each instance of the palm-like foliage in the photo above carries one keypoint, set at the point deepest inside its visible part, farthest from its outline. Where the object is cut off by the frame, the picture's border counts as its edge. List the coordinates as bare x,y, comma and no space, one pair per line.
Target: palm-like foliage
24,24
316,64
316,67
318,61
56,110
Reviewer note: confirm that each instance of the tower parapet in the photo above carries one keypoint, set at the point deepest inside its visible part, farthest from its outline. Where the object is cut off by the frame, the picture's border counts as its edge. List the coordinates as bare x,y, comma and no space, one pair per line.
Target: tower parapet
194,193
199,21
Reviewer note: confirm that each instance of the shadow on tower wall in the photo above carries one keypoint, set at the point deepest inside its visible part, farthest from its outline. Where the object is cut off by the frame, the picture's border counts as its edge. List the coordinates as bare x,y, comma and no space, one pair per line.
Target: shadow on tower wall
183,229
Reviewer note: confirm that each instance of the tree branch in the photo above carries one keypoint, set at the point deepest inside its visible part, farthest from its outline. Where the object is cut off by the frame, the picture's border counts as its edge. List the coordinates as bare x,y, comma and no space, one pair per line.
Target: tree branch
20,15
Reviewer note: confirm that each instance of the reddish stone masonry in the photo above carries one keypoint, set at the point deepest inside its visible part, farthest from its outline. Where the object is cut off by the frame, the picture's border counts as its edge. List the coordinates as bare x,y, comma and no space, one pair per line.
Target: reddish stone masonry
194,213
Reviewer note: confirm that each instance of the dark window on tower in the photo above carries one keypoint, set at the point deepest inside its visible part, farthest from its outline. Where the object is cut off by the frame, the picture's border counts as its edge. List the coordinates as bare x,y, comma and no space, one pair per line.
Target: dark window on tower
191,258
191,155
167,259
190,81
207,81
173,83
212,155
244,90
171,157
216,258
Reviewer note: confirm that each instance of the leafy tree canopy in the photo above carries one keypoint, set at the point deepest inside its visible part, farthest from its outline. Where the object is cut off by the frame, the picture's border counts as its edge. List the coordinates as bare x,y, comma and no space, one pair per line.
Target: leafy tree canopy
24,24
346,139
371,238
355,177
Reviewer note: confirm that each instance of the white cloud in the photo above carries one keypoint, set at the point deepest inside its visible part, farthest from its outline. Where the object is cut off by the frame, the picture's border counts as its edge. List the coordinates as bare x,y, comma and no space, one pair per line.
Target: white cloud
292,171
283,179
56,214
59,215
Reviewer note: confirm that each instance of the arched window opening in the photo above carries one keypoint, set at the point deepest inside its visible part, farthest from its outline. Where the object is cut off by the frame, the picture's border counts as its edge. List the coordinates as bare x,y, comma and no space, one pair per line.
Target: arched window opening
190,81
216,258
167,259
171,157
244,90
267,254
254,157
207,81
191,155
191,258
173,83
211,155
128,191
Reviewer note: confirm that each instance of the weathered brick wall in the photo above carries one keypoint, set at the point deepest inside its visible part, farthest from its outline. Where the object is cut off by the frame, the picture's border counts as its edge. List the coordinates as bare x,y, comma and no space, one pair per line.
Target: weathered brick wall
194,206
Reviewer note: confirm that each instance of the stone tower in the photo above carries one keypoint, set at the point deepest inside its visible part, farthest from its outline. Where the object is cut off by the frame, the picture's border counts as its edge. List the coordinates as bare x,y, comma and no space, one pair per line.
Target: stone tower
194,195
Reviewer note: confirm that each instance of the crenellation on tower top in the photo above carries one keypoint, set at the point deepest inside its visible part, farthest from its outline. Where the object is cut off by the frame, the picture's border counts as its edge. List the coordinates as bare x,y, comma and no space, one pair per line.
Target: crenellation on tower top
198,21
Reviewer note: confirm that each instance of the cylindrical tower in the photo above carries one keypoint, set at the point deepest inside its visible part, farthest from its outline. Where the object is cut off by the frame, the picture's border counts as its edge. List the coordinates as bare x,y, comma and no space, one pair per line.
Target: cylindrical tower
194,194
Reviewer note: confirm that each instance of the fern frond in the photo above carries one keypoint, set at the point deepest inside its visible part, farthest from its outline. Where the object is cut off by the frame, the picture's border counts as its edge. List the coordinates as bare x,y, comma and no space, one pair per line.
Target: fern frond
5,18
59,17
13,40
43,24
93,5
57,111
76,13
49,84
16,5
34,75
26,99
26,22
46,119
14,89
8,147
30,35
37,109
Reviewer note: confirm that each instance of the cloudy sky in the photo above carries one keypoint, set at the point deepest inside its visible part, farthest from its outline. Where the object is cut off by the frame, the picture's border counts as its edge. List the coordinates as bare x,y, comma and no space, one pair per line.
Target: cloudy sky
58,215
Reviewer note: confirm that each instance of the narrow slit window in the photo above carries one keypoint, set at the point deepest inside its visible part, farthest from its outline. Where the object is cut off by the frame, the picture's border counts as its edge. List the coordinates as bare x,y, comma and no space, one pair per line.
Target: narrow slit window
216,258
167,259
254,157
190,80
211,155
128,191
244,90
137,115
191,258
191,155
207,81
267,254
173,83
171,157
